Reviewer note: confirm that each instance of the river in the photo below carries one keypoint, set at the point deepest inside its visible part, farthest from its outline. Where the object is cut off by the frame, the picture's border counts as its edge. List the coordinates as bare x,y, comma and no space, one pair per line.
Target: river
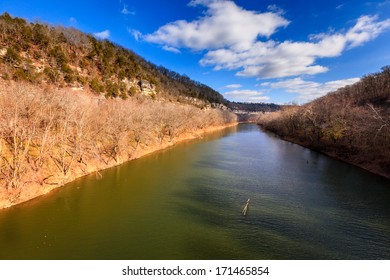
185,203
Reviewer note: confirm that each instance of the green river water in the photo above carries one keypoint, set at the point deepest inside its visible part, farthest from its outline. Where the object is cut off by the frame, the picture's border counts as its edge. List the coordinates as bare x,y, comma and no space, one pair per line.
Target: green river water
185,203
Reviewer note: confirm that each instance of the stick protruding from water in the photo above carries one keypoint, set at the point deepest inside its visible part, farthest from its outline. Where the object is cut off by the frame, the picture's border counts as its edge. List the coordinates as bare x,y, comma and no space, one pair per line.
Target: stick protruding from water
246,207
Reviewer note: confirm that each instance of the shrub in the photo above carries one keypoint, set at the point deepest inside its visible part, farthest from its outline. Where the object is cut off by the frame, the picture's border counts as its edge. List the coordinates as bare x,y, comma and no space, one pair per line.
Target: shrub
132,91
20,75
112,89
58,55
96,86
11,57
51,74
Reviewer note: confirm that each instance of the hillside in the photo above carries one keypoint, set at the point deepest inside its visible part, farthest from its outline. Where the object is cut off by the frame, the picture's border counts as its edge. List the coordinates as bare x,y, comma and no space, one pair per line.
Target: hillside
352,124
65,57
71,105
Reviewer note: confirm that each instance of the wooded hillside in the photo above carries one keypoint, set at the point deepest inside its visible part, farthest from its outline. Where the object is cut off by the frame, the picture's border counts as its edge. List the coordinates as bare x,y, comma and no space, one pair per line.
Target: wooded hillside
352,123
71,105
44,54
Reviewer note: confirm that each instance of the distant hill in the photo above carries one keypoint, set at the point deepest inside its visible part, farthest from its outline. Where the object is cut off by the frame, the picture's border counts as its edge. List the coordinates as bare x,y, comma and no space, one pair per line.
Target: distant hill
253,107
352,123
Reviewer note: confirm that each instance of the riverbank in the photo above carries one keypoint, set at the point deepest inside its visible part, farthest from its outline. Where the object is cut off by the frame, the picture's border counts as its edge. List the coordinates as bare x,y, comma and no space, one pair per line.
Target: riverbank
34,190
51,136
351,124
371,167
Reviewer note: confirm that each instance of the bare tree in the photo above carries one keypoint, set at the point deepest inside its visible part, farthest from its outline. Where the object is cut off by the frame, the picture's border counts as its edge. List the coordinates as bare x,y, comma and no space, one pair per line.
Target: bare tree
18,125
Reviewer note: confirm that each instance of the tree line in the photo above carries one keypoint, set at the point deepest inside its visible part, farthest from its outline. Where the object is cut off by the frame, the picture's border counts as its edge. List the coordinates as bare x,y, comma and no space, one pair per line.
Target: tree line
253,107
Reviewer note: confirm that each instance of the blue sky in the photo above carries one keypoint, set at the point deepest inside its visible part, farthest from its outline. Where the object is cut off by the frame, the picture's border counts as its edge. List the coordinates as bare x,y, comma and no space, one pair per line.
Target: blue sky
277,51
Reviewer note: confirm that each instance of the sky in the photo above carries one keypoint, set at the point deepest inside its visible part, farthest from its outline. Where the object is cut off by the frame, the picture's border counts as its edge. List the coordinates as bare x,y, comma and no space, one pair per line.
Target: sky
278,51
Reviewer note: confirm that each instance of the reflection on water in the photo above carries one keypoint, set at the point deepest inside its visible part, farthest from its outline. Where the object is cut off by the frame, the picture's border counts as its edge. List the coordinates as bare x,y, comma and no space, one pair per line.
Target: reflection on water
186,202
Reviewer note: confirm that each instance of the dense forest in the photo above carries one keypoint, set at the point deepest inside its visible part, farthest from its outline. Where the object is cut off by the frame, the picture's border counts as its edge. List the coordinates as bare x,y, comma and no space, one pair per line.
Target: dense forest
71,105
352,123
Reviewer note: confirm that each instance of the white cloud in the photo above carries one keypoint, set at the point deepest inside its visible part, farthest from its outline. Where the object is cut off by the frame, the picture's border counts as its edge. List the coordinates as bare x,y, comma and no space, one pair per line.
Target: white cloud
274,60
171,49
126,11
276,9
102,35
366,29
224,24
233,86
246,95
309,90
238,39
285,59
135,33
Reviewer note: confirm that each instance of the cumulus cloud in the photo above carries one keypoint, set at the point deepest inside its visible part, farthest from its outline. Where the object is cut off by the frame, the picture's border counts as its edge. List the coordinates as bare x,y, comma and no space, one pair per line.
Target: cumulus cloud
224,24
246,95
238,39
102,35
309,90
